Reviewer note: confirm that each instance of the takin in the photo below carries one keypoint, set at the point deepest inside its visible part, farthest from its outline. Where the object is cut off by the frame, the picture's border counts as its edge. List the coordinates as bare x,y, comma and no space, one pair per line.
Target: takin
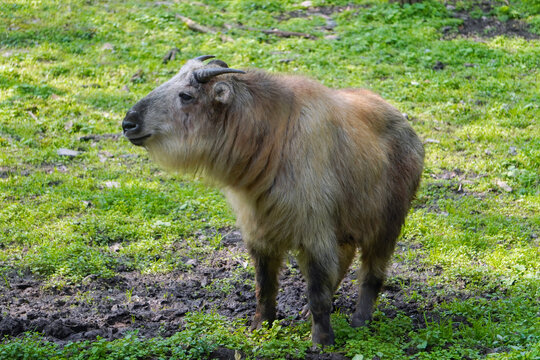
308,169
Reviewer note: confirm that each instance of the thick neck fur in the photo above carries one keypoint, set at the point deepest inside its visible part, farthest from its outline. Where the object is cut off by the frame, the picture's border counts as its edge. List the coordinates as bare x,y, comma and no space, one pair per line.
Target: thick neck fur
253,128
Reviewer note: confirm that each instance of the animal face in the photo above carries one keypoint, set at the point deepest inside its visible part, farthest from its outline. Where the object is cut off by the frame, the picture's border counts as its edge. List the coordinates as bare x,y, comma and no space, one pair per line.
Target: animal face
176,122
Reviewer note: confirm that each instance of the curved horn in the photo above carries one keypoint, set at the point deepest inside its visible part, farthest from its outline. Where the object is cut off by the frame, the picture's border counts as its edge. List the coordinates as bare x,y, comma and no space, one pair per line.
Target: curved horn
204,75
204,57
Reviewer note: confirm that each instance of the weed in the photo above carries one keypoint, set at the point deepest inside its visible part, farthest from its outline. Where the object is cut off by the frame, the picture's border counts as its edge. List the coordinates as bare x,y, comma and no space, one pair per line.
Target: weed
129,294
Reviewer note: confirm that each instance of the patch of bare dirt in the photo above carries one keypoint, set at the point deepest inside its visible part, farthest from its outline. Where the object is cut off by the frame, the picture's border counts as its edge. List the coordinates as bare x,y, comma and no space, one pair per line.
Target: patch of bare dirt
155,305
487,25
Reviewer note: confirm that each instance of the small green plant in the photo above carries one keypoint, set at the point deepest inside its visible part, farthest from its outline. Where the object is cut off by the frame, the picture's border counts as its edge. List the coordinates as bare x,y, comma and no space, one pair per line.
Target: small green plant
129,294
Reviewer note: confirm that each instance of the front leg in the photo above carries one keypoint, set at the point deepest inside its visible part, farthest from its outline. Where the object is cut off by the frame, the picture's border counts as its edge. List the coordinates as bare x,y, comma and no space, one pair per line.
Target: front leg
266,286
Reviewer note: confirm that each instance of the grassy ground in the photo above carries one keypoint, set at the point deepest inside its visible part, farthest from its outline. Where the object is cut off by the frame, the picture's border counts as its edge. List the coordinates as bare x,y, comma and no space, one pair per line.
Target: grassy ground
69,72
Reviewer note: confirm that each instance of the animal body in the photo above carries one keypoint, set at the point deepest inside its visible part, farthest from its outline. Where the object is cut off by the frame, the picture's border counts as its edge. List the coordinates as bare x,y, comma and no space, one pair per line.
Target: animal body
318,171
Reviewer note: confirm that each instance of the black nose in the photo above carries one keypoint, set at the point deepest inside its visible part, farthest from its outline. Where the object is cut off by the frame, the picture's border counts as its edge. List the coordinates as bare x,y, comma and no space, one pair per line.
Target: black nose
132,122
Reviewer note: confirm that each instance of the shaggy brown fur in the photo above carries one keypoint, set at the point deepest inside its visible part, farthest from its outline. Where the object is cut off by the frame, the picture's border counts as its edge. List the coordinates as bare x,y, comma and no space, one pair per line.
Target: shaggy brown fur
306,168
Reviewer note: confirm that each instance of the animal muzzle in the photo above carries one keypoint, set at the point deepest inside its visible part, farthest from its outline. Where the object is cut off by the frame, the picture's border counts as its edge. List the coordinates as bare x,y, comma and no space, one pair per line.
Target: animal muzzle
133,128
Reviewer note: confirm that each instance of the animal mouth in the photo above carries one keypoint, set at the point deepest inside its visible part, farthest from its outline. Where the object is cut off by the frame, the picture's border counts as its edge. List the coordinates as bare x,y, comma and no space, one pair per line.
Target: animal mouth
139,140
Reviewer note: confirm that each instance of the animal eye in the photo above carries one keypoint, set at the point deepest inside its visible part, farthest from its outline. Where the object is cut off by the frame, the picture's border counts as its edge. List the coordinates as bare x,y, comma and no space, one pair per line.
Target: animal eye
185,97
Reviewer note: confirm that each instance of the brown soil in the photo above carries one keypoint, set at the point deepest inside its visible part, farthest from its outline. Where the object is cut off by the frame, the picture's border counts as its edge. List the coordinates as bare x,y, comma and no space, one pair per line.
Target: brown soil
155,305
487,26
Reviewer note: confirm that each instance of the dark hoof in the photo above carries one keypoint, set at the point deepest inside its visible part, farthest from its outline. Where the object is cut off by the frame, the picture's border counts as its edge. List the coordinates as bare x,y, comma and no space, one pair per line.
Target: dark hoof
258,321
256,324
322,338
358,320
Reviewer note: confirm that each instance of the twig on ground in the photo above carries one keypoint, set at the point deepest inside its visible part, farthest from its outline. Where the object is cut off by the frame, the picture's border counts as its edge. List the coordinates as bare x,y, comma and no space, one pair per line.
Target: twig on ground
276,32
195,26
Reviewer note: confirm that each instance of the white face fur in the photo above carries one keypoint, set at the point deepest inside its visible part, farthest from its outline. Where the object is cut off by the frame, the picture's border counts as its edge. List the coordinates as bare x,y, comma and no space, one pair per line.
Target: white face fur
174,121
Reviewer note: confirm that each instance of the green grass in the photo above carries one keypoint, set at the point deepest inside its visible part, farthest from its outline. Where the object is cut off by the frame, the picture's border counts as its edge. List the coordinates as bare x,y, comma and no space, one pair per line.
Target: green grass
63,73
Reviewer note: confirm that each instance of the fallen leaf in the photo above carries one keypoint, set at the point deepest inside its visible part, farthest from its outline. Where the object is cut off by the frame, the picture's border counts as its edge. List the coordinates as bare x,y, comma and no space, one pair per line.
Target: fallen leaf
431,141
67,152
116,247
332,37
104,155
191,262
503,185
112,184
107,46
32,115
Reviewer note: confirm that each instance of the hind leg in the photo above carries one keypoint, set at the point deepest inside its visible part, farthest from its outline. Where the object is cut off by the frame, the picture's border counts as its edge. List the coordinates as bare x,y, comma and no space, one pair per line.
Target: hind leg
320,267
346,253
370,280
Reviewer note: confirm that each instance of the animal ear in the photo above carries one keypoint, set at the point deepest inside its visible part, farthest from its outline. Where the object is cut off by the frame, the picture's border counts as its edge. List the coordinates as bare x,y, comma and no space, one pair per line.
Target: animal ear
223,92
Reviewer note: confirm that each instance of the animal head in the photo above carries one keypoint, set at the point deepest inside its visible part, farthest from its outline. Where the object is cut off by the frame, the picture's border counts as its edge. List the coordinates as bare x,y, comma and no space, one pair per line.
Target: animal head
178,121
